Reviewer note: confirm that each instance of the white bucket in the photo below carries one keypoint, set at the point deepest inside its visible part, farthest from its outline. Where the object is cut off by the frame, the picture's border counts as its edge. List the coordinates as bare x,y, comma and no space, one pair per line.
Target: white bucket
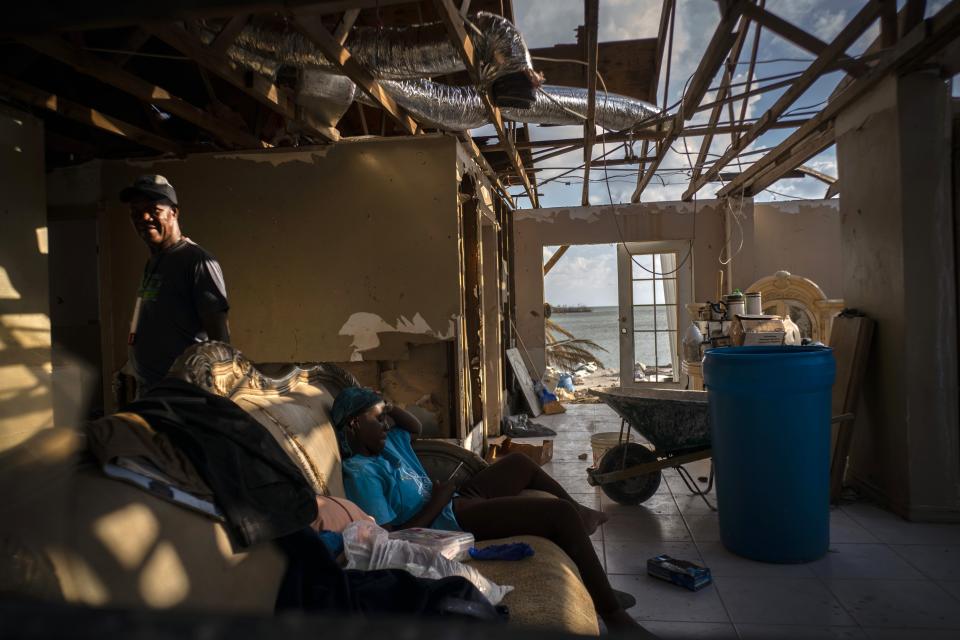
603,442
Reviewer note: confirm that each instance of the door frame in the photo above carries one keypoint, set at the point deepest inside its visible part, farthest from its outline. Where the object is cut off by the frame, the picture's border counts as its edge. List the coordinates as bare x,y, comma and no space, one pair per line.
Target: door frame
684,278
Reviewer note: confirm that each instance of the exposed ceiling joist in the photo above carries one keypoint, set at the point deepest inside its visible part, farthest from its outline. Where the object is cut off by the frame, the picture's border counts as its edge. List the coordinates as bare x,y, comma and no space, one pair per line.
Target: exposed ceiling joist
80,113
228,34
914,49
314,30
254,85
847,36
799,37
487,169
451,17
111,74
343,29
591,16
717,49
728,74
23,18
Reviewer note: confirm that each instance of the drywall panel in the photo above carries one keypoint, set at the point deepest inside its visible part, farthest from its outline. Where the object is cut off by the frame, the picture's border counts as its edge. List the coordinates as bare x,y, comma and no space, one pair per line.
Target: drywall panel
329,253
802,237
26,398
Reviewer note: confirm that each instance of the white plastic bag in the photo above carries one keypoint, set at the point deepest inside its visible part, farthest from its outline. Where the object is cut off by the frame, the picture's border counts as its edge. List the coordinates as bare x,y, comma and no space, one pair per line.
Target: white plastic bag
369,547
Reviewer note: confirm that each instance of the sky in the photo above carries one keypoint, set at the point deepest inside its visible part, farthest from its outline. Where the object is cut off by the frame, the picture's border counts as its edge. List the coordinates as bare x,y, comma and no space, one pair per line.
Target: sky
587,274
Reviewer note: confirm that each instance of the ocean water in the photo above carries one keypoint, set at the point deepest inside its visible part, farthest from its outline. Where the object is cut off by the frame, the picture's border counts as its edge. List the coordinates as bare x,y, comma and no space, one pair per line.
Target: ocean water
602,326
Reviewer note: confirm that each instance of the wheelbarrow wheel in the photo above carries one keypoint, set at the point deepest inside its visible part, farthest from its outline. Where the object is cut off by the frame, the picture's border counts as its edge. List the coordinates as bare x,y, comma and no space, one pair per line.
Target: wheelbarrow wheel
631,490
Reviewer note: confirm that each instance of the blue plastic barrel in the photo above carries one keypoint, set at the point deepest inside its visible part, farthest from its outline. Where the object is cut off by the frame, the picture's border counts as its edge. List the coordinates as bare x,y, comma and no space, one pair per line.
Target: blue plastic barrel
770,424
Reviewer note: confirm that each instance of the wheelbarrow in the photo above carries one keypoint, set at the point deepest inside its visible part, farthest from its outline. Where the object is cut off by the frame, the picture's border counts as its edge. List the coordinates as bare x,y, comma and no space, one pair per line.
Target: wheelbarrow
676,424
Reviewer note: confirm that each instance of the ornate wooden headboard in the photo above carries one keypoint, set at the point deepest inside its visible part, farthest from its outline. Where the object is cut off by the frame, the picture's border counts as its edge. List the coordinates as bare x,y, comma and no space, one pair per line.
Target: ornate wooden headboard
800,298
222,369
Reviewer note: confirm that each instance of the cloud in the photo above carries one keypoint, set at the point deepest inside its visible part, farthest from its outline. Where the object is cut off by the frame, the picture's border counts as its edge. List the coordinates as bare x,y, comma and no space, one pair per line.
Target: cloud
587,274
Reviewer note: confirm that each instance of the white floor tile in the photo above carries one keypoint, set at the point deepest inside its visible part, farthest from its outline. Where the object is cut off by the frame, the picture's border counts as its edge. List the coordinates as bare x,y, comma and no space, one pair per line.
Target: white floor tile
897,603
704,528
662,601
650,528
798,632
940,562
692,630
791,601
631,557
950,586
844,529
725,563
893,529
864,561
910,634
659,503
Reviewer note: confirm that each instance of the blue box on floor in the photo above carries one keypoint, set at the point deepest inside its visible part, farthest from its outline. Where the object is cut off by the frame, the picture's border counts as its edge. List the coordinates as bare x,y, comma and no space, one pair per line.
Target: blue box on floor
680,572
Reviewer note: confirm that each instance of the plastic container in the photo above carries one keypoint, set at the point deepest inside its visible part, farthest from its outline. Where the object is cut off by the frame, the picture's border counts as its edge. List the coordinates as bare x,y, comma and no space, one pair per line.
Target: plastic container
770,425
603,442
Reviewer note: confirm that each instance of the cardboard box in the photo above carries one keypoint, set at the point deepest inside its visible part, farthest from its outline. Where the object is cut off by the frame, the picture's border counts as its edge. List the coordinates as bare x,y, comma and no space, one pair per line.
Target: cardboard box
757,330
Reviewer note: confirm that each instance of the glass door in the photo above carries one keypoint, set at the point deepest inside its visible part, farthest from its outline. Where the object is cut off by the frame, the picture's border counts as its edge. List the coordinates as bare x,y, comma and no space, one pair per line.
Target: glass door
655,282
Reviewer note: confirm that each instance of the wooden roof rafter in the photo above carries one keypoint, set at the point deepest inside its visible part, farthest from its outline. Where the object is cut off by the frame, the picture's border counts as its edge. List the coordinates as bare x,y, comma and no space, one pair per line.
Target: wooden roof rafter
847,36
591,16
86,115
109,73
451,17
313,29
718,47
912,50
255,85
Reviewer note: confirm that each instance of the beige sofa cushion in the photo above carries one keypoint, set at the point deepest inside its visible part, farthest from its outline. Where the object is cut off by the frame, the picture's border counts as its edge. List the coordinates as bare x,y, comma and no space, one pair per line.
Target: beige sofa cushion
548,591
300,423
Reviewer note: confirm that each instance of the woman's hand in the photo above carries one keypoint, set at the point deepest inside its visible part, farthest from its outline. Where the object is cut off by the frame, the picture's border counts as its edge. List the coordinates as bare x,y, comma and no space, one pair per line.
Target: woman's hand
442,492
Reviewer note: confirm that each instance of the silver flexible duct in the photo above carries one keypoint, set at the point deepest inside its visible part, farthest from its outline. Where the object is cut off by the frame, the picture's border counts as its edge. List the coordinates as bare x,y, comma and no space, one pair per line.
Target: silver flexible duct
460,108
397,53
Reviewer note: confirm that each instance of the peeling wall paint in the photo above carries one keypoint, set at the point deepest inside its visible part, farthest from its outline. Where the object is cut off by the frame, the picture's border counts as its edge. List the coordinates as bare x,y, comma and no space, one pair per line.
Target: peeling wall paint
365,329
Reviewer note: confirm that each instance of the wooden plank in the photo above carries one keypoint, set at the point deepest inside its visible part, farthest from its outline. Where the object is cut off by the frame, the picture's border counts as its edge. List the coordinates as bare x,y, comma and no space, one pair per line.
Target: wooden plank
800,153
799,37
111,74
524,381
722,92
492,176
716,50
555,258
228,34
343,29
591,16
314,30
666,11
750,71
454,22
850,339
847,36
80,113
473,299
255,85
914,48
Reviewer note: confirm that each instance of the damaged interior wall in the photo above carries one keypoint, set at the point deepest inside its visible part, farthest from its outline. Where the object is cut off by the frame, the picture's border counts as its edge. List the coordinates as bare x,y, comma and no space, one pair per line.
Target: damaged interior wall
803,238
26,399
338,254
893,152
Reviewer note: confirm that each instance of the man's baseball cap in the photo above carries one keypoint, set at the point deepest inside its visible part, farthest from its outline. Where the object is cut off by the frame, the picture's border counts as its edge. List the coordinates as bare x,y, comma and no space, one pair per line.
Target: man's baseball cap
150,186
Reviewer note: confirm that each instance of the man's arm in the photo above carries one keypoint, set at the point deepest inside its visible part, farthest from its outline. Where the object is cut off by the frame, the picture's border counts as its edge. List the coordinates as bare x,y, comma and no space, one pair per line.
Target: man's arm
216,326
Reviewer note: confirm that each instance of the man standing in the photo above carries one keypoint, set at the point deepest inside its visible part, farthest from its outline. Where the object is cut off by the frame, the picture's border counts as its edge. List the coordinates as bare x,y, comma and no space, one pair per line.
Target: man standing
182,298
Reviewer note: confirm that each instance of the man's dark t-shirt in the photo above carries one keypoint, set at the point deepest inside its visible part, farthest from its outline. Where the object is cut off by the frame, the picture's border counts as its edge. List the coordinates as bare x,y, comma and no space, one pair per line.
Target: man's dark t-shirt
179,286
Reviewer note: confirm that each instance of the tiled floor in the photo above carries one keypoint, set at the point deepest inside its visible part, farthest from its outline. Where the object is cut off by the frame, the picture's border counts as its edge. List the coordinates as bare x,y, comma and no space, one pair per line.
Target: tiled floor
883,578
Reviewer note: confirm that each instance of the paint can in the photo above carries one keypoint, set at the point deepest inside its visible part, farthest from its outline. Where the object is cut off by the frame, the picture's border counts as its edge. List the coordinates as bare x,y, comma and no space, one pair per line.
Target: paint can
754,304
735,306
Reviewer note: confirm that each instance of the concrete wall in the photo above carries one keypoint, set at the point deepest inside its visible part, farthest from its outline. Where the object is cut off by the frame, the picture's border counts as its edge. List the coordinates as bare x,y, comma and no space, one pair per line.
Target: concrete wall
803,238
899,267
26,398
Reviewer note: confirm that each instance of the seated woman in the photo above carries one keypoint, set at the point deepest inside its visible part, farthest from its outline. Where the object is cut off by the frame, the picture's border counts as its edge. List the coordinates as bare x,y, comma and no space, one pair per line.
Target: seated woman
383,475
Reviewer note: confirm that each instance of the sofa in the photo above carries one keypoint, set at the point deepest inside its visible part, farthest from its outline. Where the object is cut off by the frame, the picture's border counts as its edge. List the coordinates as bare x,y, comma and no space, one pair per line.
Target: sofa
68,532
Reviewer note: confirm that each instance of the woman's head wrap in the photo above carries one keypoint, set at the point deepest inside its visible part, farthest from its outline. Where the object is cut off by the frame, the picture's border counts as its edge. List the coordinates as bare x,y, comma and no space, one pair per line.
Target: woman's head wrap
351,402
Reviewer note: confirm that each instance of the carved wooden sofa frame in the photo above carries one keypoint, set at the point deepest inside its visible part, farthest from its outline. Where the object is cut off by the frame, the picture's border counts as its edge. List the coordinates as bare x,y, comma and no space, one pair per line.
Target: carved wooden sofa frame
77,536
